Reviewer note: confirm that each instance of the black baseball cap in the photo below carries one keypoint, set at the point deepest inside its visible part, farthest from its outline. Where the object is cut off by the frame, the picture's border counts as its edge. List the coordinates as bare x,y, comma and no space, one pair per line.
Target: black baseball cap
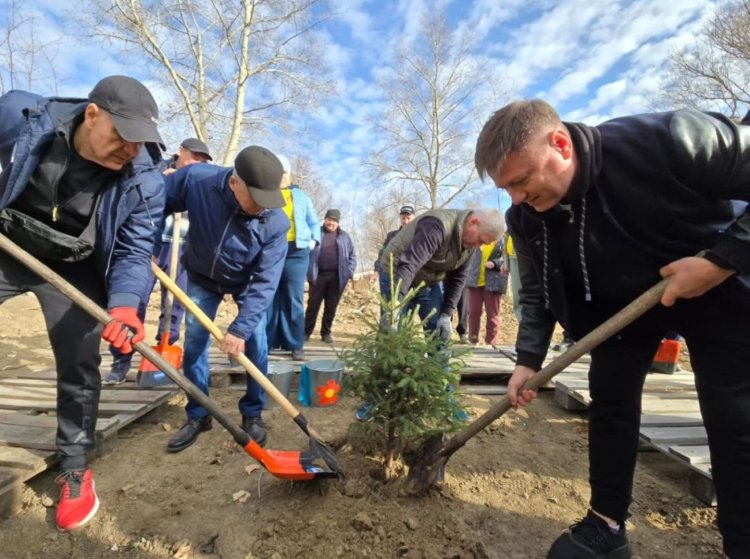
333,214
408,210
131,106
261,171
196,146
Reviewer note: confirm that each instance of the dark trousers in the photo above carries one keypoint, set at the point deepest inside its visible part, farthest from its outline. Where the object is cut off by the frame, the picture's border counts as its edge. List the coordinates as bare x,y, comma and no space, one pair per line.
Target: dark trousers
285,318
326,290
462,309
716,328
75,337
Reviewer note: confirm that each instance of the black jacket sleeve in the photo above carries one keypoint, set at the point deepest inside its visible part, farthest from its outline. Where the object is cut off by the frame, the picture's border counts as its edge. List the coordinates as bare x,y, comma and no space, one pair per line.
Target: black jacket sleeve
537,322
429,235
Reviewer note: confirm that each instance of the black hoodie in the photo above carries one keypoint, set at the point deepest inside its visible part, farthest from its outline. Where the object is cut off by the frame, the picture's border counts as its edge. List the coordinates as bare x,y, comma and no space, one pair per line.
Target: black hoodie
649,189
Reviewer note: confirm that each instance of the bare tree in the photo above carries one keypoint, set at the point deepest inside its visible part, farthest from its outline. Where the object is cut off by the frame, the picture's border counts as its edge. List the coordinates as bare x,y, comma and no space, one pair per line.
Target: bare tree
232,65
26,61
429,122
715,71
307,177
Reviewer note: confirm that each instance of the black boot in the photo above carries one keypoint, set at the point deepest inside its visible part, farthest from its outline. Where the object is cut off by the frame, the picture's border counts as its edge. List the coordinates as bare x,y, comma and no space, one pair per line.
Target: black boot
188,433
254,427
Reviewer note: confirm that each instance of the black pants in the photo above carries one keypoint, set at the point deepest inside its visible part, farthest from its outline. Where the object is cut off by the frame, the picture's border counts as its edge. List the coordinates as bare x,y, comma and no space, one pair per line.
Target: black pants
326,290
75,338
716,328
462,309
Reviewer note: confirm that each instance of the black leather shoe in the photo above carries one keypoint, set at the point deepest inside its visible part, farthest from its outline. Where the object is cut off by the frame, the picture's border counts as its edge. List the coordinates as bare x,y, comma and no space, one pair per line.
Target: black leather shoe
254,427
326,338
188,433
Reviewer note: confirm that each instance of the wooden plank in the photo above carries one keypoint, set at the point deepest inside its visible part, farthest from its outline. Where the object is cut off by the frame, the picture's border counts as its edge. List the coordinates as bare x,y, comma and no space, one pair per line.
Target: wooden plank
39,438
48,405
702,486
48,421
675,435
669,407
39,393
26,459
692,454
567,401
686,419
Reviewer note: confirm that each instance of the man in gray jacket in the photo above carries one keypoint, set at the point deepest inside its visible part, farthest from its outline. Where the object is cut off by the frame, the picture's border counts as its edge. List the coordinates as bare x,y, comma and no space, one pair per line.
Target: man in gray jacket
434,248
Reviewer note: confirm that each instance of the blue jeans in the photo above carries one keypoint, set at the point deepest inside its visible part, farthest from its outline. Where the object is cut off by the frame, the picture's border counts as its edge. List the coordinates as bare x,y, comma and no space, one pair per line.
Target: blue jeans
428,298
286,315
195,358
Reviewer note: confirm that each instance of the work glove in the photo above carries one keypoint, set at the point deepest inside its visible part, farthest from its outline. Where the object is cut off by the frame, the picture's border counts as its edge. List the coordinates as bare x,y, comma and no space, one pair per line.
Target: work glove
444,328
124,321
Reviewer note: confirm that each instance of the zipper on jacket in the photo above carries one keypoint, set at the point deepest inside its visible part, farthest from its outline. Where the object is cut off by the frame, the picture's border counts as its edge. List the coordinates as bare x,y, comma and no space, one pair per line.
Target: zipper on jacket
56,184
221,243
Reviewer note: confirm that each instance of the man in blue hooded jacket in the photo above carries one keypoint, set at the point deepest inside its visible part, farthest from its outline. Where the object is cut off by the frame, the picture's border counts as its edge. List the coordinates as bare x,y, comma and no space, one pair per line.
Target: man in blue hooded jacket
236,246
80,191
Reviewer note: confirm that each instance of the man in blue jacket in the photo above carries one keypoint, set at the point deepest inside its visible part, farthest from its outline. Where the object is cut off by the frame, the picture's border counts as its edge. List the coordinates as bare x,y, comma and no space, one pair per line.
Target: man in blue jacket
599,215
332,265
80,191
236,246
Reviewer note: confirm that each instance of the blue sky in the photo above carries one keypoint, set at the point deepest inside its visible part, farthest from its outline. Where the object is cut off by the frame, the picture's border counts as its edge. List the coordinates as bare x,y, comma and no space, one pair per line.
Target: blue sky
593,60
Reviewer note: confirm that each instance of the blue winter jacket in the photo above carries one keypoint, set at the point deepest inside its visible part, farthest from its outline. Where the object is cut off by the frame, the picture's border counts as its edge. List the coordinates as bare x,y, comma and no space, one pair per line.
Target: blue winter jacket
306,222
347,260
130,209
227,250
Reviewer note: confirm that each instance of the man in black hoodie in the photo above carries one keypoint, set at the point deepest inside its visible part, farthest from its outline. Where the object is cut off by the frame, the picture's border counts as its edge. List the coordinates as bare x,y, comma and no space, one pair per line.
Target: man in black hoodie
599,215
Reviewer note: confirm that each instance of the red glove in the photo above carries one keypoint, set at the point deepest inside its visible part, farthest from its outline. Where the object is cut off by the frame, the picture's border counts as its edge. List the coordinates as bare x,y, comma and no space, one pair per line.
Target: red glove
124,321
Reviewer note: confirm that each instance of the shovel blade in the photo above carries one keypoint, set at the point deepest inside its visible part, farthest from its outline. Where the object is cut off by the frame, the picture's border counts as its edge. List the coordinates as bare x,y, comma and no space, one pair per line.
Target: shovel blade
149,375
288,464
172,353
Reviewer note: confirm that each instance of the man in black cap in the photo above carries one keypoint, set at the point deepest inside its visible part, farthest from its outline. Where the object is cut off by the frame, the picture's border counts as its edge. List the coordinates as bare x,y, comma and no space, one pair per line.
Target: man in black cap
80,191
332,265
191,151
236,246
405,216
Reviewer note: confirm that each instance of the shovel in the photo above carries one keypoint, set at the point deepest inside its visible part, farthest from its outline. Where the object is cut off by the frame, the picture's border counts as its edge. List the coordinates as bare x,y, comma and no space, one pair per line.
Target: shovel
430,459
148,373
291,465
317,445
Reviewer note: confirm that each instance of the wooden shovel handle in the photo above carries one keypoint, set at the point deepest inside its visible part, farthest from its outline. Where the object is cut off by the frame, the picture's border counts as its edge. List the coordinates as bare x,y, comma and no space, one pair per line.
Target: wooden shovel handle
598,335
103,317
174,257
216,332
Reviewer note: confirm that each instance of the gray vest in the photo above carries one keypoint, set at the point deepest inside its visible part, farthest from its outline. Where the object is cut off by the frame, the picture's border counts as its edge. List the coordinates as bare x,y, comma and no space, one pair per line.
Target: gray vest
450,256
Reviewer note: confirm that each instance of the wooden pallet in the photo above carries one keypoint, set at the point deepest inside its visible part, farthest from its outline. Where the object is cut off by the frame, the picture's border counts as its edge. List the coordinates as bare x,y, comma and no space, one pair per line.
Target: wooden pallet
28,425
484,364
670,422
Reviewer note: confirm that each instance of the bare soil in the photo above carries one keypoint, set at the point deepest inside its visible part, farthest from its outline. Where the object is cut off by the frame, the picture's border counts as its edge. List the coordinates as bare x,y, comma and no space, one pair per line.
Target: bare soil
507,494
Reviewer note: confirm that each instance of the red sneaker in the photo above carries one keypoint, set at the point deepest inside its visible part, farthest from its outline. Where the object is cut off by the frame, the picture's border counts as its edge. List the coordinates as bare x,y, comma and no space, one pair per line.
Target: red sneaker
78,501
